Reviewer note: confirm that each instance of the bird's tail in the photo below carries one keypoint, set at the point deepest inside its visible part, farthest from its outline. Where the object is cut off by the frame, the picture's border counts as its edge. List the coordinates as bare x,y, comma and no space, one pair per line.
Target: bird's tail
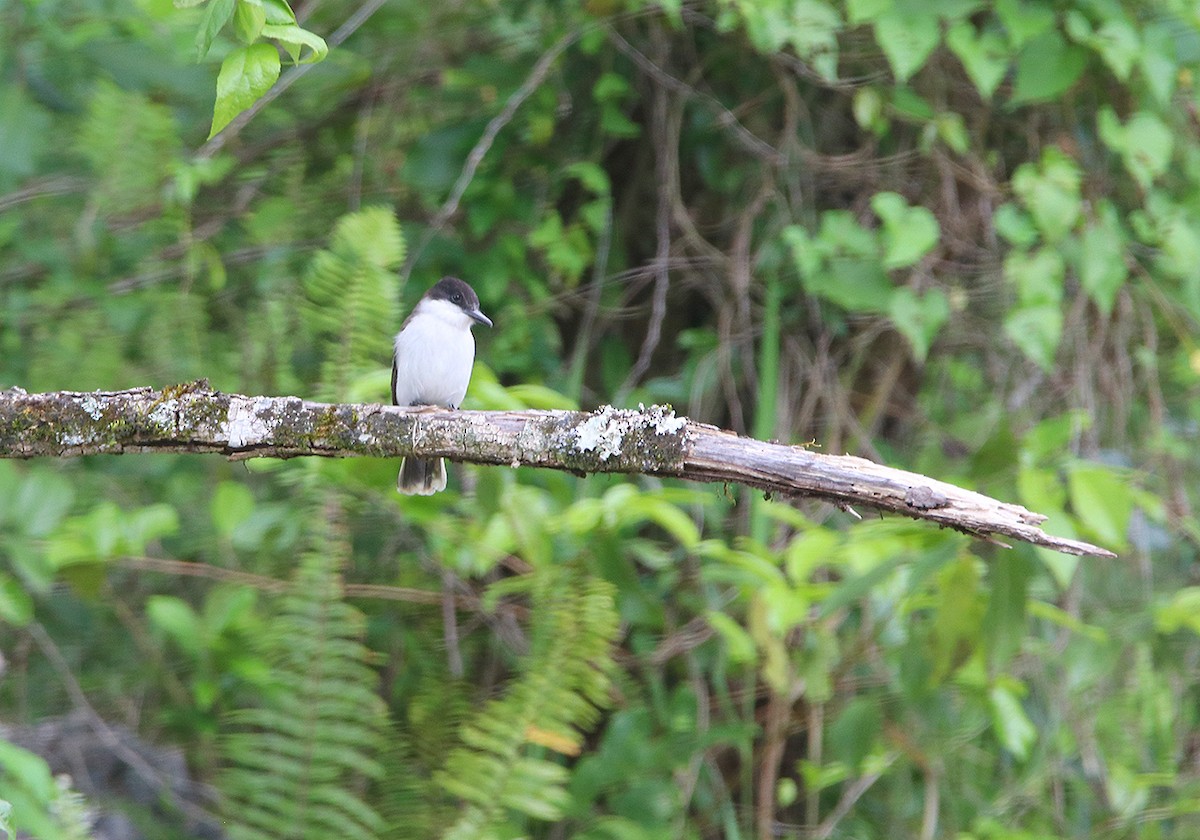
421,477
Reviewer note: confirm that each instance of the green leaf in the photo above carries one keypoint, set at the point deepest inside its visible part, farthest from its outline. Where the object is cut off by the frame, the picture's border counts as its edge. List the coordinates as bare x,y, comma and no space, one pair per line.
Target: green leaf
246,74
1040,489
611,87
1036,331
294,39
673,520
841,263
1148,149
805,254
1181,611
22,133
1175,229
1037,276
1050,438
1015,225
810,26
855,733
919,318
591,175
1101,259
739,645
1158,62
909,233
1051,191
1046,68
278,12
910,105
959,616
1103,501
853,283
232,504
863,11
41,501
868,109
613,122
812,30
530,395
215,16
984,55
1016,732
1116,40
1118,44
853,588
248,21
1004,621
148,523
907,40
227,608
566,248
1024,20
175,618
1071,623
29,770
16,605
953,132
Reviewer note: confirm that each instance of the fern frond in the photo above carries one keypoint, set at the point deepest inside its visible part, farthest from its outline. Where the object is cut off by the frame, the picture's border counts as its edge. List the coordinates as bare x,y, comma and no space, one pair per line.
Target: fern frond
563,686
71,811
132,145
411,803
295,763
352,298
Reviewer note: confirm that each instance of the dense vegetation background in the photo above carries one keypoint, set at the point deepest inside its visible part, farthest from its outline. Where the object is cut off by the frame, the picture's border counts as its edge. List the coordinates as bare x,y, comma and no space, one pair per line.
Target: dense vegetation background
961,237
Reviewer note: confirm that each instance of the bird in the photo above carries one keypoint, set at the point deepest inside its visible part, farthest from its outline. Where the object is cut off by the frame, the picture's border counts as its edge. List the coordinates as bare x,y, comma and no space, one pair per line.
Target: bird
431,365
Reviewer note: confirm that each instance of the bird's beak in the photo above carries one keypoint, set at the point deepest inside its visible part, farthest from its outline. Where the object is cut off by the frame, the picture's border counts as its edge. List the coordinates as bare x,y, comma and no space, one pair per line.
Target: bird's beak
479,316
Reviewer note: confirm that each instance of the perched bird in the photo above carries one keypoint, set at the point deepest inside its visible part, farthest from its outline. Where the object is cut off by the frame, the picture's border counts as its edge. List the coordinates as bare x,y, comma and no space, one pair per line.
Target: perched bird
431,365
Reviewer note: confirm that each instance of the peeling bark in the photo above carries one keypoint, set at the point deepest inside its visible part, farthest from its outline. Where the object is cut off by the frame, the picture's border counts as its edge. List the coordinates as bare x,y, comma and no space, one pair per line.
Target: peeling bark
193,418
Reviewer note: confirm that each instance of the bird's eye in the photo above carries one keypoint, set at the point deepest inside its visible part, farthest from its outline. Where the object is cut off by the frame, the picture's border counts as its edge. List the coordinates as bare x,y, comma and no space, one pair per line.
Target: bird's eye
457,298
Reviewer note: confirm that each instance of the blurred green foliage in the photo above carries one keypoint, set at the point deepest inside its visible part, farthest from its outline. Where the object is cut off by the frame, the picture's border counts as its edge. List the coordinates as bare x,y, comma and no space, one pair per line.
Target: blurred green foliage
960,237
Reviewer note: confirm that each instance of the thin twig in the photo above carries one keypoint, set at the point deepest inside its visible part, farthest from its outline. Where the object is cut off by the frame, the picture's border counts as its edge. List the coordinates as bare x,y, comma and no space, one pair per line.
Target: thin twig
454,658
665,145
188,568
532,82
288,79
583,339
852,794
725,118
195,813
275,586
42,188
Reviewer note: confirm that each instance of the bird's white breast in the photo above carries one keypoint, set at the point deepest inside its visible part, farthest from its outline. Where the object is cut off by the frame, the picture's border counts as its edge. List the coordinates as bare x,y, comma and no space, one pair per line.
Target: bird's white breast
434,354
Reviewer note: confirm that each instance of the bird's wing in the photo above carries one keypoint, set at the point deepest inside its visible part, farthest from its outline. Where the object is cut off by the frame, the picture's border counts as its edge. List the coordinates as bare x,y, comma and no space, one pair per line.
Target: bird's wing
394,378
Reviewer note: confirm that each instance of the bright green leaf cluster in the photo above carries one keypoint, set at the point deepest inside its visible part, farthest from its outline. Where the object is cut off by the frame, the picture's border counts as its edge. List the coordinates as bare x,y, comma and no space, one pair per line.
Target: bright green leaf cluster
250,70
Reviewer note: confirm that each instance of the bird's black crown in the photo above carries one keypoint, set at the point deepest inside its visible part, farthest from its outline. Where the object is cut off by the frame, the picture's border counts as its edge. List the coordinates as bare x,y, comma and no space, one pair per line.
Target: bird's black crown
456,291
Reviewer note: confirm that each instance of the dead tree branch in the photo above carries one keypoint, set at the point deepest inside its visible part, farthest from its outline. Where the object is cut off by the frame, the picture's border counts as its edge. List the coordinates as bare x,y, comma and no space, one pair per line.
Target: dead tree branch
193,418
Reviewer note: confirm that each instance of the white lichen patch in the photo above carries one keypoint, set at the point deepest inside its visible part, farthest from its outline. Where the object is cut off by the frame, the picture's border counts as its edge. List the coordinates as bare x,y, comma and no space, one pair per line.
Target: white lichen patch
163,414
662,419
92,405
603,432
244,425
